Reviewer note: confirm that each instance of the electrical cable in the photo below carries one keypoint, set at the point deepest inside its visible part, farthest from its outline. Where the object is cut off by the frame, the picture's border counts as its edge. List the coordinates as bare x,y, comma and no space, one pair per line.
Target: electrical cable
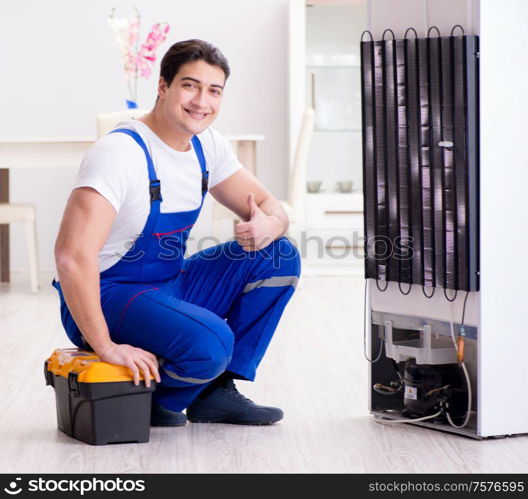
391,421
399,287
365,330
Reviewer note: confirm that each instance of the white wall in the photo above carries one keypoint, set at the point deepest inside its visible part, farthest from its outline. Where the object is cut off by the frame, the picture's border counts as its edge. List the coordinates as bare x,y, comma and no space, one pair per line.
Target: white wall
61,67
421,15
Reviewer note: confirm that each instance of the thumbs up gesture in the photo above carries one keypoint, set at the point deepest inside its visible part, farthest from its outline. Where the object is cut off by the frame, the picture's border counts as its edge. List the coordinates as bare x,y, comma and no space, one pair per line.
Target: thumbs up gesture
259,231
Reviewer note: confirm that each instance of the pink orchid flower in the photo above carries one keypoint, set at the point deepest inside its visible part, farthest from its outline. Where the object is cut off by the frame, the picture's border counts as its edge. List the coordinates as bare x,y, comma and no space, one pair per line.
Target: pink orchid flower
137,62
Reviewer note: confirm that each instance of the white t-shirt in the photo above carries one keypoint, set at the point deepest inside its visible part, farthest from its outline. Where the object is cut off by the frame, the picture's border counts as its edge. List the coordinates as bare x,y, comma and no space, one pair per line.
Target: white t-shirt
116,167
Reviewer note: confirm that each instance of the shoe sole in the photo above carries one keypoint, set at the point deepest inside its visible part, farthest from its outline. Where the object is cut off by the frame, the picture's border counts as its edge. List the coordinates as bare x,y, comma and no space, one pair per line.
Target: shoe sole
209,416
226,421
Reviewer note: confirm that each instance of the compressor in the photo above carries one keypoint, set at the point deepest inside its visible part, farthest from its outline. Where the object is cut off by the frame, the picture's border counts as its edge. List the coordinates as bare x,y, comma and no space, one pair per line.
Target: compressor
427,389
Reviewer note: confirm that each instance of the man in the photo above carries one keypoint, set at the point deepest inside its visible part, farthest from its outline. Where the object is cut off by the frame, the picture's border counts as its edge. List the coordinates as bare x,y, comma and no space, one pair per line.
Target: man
126,290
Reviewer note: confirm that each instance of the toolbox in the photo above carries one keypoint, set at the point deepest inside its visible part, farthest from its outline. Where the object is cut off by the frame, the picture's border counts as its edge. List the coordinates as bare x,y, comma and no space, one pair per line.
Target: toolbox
98,402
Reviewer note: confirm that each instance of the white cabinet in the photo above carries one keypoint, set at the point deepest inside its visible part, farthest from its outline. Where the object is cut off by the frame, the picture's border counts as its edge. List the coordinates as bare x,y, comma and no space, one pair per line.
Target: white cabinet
336,218
333,239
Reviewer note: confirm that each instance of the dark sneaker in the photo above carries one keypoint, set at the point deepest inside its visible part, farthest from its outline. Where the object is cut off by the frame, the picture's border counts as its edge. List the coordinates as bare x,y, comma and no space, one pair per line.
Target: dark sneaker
159,416
225,404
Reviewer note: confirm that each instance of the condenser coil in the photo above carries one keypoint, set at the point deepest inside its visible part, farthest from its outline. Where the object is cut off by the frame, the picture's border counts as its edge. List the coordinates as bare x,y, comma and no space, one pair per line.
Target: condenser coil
420,160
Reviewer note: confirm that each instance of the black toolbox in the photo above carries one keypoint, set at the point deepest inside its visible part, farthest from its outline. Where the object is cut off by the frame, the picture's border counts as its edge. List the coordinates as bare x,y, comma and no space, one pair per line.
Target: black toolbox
98,402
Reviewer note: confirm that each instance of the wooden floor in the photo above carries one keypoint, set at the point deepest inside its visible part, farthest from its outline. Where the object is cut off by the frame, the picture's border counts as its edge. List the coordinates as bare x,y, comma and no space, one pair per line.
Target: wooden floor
314,370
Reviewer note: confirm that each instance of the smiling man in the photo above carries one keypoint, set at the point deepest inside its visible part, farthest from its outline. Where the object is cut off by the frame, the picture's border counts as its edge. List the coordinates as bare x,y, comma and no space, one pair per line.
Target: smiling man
127,291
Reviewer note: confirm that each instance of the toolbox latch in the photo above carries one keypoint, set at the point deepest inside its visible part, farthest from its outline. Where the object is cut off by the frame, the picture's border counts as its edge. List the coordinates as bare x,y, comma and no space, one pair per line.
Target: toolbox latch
73,383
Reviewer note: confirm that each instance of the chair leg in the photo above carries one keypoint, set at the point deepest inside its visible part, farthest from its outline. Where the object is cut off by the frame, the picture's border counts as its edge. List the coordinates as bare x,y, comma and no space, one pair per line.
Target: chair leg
31,237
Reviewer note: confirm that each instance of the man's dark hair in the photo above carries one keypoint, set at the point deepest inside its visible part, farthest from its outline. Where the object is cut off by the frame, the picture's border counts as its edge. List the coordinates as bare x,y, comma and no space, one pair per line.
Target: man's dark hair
188,51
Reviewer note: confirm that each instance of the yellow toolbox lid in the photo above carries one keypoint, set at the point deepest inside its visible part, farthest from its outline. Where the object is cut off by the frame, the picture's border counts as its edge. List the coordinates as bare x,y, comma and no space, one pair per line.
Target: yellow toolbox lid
87,365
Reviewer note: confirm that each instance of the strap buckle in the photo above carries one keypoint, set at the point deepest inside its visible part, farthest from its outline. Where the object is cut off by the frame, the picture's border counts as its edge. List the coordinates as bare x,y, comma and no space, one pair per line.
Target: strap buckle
155,190
205,182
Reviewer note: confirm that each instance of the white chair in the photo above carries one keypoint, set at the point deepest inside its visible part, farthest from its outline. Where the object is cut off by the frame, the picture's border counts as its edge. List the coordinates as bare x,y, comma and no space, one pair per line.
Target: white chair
295,202
25,213
108,121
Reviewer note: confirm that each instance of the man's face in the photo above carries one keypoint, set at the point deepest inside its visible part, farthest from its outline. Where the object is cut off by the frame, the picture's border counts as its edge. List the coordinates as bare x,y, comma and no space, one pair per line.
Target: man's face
193,99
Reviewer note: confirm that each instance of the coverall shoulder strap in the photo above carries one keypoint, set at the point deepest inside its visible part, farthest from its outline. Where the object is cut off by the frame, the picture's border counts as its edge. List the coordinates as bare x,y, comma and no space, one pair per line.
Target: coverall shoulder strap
155,187
199,152
201,159
139,140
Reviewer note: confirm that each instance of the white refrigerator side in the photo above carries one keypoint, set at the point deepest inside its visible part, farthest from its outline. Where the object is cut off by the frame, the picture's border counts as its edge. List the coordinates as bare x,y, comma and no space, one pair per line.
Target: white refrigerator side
503,404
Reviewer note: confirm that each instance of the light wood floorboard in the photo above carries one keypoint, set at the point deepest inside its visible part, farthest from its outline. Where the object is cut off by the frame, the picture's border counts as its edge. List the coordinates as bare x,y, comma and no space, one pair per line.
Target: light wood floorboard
314,370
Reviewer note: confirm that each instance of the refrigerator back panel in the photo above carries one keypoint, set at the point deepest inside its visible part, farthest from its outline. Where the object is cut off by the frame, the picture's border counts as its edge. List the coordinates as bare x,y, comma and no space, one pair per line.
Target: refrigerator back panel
420,160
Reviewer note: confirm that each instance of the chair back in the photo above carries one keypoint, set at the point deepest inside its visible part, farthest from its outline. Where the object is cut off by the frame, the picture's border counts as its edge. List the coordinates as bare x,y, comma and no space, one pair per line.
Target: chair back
108,121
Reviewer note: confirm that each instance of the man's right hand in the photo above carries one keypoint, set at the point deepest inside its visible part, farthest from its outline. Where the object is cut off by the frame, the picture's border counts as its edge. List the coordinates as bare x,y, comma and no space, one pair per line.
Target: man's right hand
136,359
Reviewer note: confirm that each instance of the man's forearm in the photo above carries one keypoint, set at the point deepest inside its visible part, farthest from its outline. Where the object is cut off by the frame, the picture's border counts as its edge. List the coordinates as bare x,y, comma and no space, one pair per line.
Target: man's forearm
80,285
274,208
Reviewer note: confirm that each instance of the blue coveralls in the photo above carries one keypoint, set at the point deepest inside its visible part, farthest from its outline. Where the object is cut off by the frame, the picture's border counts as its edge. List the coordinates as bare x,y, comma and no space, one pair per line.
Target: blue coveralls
214,311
